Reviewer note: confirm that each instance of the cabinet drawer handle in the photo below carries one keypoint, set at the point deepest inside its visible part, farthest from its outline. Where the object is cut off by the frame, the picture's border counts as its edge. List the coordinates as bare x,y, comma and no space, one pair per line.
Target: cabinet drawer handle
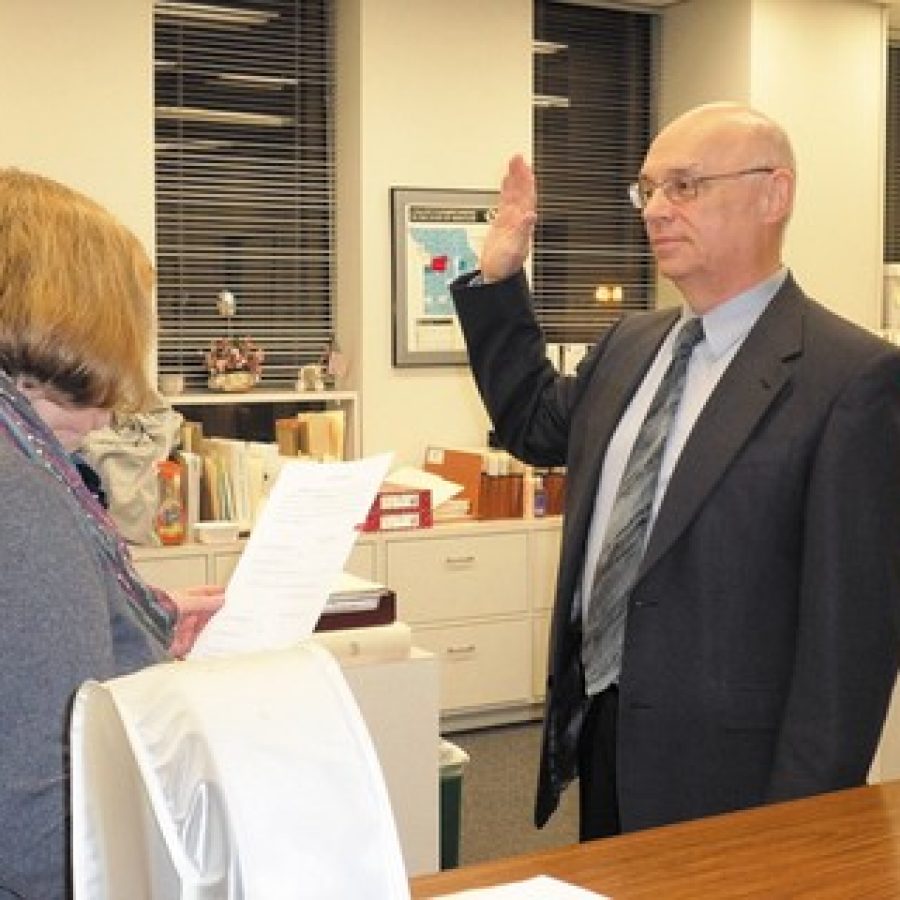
459,651
460,560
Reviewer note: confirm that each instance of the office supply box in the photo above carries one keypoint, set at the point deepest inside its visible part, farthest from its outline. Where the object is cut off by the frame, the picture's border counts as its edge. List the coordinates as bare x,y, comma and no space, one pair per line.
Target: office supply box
462,467
398,506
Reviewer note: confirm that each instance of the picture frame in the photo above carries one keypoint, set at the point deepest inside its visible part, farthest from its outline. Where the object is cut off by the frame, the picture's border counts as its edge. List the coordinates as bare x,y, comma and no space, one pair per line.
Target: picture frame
436,236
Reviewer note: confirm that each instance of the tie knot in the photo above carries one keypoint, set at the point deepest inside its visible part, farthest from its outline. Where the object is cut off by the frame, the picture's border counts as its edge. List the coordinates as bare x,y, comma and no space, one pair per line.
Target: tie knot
690,335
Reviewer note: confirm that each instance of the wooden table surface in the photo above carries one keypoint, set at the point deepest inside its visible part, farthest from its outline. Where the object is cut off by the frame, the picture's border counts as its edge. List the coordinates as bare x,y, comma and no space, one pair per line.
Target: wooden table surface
842,845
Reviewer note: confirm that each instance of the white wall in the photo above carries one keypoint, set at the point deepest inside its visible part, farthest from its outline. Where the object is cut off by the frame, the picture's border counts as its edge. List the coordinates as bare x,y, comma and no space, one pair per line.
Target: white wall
439,95
817,67
76,99
705,54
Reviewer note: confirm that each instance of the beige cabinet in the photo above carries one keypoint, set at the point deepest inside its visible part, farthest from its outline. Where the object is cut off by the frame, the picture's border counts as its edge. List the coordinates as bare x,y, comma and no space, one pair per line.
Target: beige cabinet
485,665
466,597
191,564
363,560
172,567
440,579
223,564
540,643
476,595
405,736
543,561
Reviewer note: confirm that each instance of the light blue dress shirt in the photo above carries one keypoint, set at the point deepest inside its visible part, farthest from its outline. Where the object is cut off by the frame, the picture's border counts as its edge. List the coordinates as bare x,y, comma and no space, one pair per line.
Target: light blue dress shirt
725,328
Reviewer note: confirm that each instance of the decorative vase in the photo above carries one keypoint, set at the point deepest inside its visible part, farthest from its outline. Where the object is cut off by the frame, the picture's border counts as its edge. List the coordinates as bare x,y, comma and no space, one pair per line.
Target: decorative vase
232,381
171,383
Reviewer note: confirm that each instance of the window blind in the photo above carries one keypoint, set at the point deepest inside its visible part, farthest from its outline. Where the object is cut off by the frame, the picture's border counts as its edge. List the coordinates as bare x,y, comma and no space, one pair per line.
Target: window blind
244,181
892,156
593,117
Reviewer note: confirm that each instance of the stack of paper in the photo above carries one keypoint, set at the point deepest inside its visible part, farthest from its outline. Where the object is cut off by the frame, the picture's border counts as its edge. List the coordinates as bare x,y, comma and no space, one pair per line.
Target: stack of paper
447,501
450,510
352,593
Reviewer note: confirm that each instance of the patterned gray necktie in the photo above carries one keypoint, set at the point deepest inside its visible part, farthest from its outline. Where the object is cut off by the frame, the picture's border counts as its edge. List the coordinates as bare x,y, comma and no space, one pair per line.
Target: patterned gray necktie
626,533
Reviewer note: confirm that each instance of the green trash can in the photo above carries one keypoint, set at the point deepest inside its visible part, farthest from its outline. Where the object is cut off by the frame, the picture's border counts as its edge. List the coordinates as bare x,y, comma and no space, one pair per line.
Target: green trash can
452,761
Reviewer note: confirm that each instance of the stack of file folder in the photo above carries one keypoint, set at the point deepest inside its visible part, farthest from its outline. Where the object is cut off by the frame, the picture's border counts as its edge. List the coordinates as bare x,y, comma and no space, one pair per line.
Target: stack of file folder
356,603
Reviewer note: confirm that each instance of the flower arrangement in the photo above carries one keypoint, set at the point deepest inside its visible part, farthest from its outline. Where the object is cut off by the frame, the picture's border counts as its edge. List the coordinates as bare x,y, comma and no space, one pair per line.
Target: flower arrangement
234,363
234,355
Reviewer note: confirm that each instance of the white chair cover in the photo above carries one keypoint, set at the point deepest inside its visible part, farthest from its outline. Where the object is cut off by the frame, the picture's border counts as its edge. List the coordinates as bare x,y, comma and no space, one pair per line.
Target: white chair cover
243,778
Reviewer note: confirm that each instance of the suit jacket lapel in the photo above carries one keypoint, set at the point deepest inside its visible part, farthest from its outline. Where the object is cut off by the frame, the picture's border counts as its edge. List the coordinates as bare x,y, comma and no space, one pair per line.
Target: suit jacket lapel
753,380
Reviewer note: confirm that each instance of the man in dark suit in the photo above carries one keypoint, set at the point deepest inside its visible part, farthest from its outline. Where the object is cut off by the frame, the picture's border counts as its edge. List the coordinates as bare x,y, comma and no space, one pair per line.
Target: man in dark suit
759,646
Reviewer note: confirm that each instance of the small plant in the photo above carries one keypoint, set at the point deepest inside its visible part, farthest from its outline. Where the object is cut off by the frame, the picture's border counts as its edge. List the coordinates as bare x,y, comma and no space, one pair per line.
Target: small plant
228,355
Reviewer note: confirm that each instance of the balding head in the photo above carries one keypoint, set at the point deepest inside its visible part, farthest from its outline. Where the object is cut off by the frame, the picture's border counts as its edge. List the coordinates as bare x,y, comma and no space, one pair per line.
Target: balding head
723,234
744,128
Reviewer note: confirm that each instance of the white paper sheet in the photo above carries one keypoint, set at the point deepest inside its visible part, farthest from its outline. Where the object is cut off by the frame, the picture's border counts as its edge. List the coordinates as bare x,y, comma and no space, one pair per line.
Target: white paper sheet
441,489
542,887
296,550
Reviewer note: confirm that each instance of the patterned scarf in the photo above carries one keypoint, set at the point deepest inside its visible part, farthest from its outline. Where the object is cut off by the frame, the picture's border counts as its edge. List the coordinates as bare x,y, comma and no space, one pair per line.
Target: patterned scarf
24,429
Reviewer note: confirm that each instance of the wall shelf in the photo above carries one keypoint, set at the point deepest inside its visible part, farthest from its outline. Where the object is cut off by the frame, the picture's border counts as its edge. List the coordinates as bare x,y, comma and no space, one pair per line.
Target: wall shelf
227,414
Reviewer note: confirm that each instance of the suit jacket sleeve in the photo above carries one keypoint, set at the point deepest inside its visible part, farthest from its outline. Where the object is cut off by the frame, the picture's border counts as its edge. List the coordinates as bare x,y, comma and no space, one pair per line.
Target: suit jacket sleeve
529,403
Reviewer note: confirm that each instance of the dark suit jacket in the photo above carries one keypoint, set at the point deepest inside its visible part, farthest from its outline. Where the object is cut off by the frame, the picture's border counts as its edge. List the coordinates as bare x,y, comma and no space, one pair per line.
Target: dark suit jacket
760,646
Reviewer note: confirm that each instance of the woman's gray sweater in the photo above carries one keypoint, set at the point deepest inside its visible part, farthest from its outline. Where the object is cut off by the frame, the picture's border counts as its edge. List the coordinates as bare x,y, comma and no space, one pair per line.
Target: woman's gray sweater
64,620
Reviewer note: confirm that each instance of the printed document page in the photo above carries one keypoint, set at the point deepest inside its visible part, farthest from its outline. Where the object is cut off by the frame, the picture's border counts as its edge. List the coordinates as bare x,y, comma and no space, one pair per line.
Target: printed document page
296,550
542,887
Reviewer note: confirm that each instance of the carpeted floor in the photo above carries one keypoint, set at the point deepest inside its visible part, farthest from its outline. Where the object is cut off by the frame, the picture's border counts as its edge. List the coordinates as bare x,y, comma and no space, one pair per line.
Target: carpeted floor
498,795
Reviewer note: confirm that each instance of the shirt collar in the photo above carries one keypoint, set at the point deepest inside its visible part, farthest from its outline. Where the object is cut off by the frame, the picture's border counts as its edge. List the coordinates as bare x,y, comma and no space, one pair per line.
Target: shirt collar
731,321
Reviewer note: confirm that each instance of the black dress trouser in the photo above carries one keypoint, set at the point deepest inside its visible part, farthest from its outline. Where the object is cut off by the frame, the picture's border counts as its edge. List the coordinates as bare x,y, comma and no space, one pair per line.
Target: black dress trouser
598,800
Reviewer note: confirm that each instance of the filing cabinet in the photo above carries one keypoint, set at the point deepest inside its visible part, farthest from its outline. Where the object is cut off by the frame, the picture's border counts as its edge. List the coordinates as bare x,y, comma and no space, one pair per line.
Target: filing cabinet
476,594
466,598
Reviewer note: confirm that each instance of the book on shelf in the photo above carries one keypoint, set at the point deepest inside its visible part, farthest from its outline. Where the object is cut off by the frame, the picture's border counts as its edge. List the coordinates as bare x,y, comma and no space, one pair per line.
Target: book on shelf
190,436
287,436
263,464
231,478
235,478
191,476
316,435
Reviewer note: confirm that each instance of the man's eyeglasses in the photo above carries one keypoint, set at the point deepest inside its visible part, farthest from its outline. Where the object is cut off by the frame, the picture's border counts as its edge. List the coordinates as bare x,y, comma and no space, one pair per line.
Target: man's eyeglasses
682,188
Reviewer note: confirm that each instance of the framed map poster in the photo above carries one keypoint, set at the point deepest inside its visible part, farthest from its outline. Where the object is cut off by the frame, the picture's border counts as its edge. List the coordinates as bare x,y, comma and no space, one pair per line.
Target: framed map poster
437,236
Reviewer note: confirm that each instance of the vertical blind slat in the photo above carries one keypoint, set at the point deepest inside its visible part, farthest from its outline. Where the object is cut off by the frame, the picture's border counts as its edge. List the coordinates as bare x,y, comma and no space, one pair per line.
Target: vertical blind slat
591,261
892,156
